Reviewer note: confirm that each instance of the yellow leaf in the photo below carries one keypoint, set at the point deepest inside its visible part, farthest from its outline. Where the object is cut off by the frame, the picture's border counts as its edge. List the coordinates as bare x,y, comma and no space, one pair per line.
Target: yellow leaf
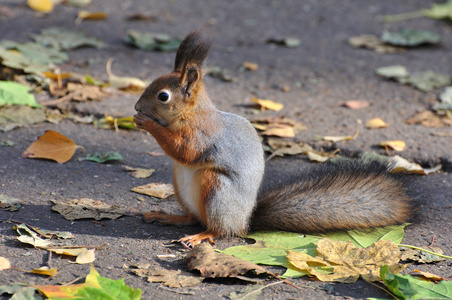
88,15
85,257
395,145
268,104
139,172
376,123
46,271
123,82
427,276
250,66
52,145
4,264
313,156
343,262
159,190
401,165
45,6
279,131
356,104
336,139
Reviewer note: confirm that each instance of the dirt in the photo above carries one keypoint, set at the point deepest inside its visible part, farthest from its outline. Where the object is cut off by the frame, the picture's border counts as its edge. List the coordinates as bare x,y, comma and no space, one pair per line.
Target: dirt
323,72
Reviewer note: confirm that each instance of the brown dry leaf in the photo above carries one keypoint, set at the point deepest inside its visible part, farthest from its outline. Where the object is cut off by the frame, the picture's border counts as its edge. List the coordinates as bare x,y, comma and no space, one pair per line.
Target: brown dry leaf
159,190
91,15
268,104
4,264
427,276
139,172
212,264
397,145
170,278
84,93
343,262
376,123
356,104
422,257
279,130
85,208
428,119
401,165
124,83
373,42
281,147
52,145
250,66
46,271
45,6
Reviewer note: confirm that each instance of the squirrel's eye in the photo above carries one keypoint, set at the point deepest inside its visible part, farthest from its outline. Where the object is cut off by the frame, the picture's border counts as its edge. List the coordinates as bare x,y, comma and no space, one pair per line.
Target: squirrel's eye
164,96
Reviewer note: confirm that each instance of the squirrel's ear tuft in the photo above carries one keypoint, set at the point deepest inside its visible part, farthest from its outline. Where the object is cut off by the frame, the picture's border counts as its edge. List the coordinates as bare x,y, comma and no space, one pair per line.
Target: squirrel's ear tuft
192,51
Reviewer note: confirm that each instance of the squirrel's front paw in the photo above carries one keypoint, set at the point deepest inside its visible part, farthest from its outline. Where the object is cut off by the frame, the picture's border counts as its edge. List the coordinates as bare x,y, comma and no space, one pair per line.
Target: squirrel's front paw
193,240
164,218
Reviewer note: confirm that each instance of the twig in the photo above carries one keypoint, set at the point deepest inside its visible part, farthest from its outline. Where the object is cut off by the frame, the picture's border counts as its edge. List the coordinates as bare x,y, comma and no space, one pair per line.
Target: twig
71,282
432,242
100,247
49,259
428,251
403,16
260,289
68,97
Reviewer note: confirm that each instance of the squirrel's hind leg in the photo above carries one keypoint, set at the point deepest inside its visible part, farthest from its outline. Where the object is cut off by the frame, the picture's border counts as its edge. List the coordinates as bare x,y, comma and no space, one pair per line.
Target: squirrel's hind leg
167,219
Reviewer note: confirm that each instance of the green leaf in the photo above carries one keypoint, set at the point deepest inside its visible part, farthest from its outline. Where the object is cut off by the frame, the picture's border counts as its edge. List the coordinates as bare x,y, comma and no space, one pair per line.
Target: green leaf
102,157
410,287
37,53
95,287
439,11
66,40
410,37
427,81
392,71
14,93
152,41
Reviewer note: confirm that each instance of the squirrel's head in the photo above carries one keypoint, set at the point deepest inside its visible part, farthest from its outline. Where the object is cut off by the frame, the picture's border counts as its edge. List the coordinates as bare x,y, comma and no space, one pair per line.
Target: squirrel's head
175,96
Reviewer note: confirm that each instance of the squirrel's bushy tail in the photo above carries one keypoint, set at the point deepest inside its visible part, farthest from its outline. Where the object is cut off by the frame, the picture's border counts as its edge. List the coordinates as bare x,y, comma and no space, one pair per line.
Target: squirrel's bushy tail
345,195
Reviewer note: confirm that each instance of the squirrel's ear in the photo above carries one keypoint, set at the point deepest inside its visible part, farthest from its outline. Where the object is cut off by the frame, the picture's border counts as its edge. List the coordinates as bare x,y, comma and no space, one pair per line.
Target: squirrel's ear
192,51
190,77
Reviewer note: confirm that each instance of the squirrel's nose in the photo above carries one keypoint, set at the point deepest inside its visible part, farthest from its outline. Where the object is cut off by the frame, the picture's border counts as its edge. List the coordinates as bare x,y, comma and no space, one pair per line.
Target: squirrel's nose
138,106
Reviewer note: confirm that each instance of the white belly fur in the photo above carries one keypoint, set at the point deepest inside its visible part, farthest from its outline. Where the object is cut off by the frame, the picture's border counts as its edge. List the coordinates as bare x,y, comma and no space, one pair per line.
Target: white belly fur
189,188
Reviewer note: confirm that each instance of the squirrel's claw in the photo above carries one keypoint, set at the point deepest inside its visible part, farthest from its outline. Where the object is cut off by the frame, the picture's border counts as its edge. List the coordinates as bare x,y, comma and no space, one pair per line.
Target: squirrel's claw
193,240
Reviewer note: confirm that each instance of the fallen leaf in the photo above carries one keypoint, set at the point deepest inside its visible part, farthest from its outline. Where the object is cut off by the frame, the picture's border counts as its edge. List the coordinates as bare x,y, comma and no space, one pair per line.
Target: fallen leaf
139,172
439,11
373,42
20,115
91,15
82,255
356,104
220,73
250,66
9,203
427,276
152,41
376,123
62,39
212,264
342,262
268,104
422,257
45,6
279,130
396,71
401,165
4,264
170,278
102,157
13,93
19,291
95,287
52,145
78,3
410,287
85,208
410,38
395,145
428,119
281,147
124,83
85,257
28,236
318,157
158,190
46,271
336,139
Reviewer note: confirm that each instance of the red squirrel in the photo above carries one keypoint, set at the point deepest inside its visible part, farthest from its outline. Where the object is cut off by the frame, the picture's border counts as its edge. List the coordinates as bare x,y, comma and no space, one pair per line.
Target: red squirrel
219,165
